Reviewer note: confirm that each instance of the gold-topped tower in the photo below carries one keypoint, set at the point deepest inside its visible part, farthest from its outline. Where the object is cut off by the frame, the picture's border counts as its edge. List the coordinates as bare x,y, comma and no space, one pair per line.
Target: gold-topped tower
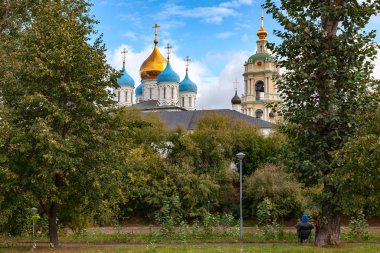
155,63
259,87
262,33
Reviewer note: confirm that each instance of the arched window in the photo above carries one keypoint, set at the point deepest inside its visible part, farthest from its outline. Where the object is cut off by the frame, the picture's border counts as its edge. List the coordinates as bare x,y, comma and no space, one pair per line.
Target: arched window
259,113
259,87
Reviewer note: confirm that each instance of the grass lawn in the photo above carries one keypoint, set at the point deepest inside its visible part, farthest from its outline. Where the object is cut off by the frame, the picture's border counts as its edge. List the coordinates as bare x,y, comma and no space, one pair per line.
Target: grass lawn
210,248
249,237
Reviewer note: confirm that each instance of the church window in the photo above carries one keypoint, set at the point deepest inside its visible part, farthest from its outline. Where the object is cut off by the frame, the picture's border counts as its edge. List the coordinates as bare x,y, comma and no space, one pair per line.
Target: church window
259,88
118,96
190,102
172,93
259,113
183,101
150,93
267,88
164,93
126,96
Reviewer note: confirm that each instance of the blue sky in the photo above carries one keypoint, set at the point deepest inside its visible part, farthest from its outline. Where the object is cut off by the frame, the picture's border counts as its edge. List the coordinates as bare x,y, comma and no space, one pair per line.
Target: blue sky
217,35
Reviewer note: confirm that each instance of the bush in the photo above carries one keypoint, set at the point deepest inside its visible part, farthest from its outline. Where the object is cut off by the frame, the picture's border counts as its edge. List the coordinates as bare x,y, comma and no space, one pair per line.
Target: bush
270,185
169,216
358,228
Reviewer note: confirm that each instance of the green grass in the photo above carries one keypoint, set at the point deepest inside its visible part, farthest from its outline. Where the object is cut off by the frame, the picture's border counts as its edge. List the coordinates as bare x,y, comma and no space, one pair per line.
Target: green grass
211,248
249,237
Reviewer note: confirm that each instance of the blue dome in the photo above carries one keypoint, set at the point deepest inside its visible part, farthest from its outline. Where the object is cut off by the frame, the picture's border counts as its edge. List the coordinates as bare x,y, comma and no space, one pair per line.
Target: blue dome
168,75
187,85
138,90
125,79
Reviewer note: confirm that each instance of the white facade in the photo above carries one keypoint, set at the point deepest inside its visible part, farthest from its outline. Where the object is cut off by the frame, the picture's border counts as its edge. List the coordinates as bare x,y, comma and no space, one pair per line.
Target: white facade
150,89
124,96
188,100
168,94
236,107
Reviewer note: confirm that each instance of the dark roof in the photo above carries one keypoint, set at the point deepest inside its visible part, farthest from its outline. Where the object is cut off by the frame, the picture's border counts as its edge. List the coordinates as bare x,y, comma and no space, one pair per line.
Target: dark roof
189,119
152,105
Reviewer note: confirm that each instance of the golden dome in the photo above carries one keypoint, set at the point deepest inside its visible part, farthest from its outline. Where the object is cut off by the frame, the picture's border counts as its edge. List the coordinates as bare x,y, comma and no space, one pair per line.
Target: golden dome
262,33
153,65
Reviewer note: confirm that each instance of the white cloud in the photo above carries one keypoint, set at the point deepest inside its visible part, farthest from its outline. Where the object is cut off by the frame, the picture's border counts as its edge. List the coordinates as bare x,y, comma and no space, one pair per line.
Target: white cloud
130,35
208,14
214,14
217,92
224,35
245,37
236,3
214,90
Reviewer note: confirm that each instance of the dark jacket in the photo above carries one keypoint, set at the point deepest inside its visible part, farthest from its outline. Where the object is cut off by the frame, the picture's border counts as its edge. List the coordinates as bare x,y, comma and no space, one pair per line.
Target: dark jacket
304,229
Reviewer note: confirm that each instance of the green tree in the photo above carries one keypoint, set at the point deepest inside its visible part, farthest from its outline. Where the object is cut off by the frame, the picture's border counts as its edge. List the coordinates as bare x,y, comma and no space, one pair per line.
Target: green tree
62,140
327,56
358,179
271,182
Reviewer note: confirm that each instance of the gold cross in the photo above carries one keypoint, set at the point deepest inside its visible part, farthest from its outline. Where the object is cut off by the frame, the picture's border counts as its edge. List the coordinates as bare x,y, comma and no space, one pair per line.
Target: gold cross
168,47
187,60
124,53
156,26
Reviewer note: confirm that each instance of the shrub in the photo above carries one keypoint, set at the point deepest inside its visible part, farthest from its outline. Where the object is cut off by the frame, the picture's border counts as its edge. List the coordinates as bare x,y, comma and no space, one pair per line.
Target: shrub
358,227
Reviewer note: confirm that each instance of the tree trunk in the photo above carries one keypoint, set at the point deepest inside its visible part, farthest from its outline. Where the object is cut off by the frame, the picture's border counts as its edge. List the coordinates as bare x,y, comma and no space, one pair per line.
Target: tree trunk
53,230
329,233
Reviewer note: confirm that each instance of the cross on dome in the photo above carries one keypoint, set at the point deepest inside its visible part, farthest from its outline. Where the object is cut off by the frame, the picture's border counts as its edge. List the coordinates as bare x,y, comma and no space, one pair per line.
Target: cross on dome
187,60
168,47
236,83
124,53
156,26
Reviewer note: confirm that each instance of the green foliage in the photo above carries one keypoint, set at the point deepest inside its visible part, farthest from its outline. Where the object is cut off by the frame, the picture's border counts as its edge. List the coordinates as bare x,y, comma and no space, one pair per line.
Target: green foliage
360,156
271,231
328,57
61,145
358,228
169,216
273,193
153,239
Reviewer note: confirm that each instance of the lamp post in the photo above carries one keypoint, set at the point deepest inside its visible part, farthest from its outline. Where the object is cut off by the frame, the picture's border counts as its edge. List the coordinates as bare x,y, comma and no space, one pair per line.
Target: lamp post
241,156
34,211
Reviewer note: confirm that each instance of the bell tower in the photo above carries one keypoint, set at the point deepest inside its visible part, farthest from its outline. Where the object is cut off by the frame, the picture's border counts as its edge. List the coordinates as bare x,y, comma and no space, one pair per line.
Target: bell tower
259,88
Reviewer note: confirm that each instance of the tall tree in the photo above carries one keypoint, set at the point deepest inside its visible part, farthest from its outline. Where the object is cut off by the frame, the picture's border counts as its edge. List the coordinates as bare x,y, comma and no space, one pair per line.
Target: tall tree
61,145
327,56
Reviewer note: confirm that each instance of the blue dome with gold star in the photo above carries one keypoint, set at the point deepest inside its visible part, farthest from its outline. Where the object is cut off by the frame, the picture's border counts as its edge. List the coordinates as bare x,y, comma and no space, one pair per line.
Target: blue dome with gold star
187,85
139,90
168,75
125,79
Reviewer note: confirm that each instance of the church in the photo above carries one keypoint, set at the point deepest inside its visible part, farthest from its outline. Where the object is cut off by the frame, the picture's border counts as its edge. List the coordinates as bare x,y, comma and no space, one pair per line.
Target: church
161,90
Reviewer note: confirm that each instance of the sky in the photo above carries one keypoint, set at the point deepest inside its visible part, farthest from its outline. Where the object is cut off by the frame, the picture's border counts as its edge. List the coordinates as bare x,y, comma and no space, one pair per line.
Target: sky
218,36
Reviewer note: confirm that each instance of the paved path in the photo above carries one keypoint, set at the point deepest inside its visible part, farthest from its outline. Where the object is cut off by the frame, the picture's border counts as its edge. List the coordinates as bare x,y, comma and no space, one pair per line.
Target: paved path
146,229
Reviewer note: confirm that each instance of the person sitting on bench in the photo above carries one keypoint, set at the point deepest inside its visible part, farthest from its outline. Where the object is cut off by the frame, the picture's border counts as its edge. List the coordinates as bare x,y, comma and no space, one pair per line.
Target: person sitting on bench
304,228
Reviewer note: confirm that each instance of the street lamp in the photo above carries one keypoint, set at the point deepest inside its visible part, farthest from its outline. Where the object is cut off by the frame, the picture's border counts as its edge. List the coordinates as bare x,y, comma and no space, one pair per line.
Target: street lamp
241,156
34,211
